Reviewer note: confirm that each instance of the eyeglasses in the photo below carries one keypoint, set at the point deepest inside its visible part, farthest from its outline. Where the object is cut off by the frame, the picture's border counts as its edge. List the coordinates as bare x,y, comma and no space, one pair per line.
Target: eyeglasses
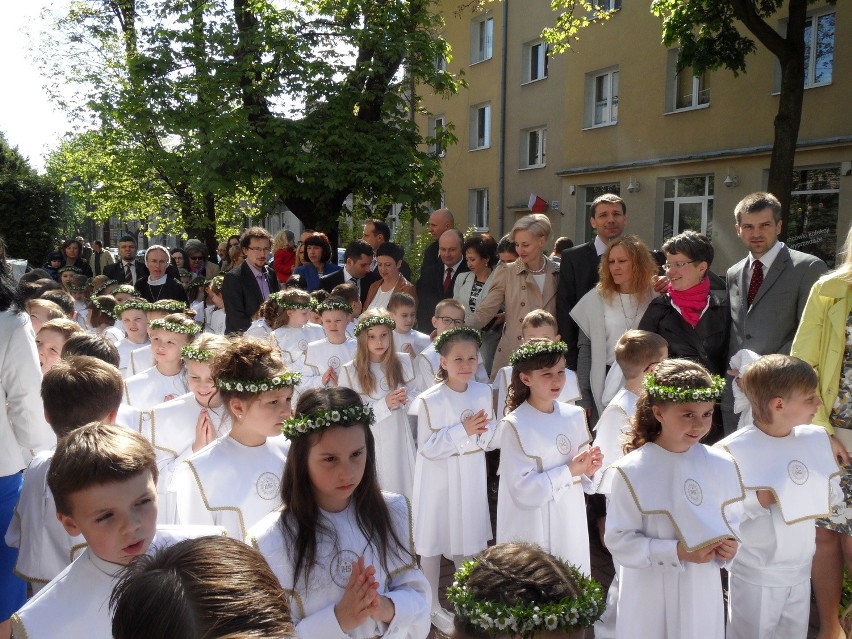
196,258
676,266
450,320
258,249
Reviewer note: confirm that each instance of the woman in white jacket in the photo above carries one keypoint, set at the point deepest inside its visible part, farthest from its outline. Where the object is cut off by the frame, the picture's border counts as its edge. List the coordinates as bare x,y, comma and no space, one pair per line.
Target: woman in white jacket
480,252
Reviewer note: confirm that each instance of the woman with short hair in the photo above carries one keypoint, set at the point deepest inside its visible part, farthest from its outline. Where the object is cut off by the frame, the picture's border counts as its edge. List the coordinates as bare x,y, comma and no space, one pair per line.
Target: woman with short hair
318,252
389,260
72,255
480,253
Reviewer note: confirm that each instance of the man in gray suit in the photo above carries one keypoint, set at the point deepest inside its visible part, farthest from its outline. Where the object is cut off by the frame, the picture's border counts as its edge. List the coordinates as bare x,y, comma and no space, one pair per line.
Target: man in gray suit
768,288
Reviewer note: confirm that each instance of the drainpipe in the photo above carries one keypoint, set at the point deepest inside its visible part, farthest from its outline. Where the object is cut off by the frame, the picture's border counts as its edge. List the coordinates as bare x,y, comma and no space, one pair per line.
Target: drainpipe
501,169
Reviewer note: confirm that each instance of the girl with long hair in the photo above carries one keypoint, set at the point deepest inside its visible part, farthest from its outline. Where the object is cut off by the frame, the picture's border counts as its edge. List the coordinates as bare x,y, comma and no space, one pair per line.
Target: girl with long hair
385,381
341,548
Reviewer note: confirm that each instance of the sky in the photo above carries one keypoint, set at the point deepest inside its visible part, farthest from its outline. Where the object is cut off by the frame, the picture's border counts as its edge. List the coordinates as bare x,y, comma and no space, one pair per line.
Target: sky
27,118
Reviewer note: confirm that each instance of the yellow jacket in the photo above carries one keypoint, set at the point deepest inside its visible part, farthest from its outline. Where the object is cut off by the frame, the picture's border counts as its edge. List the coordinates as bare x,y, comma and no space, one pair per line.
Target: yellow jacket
821,338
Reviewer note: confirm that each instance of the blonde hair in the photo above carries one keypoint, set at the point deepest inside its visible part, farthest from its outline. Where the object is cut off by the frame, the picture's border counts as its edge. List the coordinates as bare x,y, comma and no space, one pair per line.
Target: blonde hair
537,319
449,302
537,224
54,311
636,350
390,362
776,376
844,270
63,326
644,269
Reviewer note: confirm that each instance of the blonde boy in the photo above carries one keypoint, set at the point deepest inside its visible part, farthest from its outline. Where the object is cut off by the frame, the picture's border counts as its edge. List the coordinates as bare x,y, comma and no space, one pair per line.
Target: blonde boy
324,357
348,292
448,314
134,321
403,310
41,311
51,338
537,323
141,358
791,478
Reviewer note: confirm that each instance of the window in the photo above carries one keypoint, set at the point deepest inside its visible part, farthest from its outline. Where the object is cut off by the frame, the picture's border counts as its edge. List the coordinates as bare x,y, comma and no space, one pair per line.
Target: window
477,207
814,205
481,39
819,49
535,61
533,147
688,205
591,193
480,126
685,90
436,133
607,5
601,98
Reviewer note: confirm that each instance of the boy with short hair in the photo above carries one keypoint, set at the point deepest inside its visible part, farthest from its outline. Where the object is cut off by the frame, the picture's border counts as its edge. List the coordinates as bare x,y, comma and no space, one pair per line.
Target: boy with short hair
294,335
791,478
142,358
93,345
76,391
51,338
324,357
537,323
134,321
103,480
449,313
403,310
348,292
41,311
62,299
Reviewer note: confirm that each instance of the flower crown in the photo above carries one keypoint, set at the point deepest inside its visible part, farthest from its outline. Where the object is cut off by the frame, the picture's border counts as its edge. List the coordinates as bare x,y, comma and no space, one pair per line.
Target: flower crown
75,287
174,327
104,287
497,618
124,288
314,303
313,422
94,301
190,351
528,351
284,380
376,320
683,395
333,305
461,330
289,305
135,305
76,269
169,306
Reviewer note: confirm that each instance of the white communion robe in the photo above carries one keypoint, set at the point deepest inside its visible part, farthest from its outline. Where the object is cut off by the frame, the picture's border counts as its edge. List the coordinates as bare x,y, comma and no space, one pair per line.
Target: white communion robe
418,341
141,359
428,362
44,548
770,576
149,388
450,493
75,605
216,322
570,392
293,342
658,499
125,348
312,606
395,450
229,484
319,357
539,501
612,429
259,328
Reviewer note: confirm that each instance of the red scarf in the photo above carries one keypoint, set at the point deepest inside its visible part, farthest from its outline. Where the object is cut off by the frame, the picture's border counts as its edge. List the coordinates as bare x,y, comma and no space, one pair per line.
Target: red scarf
692,301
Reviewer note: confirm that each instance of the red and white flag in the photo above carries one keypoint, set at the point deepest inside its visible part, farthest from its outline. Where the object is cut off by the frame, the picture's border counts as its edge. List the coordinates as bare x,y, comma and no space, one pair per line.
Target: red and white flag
537,204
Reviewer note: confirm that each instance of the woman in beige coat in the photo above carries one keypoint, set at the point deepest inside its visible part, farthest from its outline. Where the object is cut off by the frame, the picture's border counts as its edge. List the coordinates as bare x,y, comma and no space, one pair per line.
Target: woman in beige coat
527,284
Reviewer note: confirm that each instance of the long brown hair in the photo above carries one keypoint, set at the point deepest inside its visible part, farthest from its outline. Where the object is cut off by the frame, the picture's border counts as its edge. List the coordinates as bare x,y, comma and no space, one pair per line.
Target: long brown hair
300,518
644,269
681,373
518,391
390,362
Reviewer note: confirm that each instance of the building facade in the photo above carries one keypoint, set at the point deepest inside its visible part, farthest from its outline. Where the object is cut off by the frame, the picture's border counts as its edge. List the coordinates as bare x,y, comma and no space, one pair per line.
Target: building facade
613,115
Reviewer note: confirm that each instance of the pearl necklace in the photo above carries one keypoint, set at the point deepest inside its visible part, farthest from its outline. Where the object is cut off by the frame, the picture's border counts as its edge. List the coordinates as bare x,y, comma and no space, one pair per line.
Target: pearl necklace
540,270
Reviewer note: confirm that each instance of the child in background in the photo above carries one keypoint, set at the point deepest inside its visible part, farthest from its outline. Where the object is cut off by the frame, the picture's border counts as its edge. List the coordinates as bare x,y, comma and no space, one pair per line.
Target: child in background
317,297
100,317
524,586
448,314
78,288
324,357
234,482
102,478
53,264
340,546
134,321
348,292
455,422
142,358
41,311
102,285
674,510
538,323
403,310
214,312
791,478
123,292
167,378
385,382
186,424
66,275
294,335
637,354
541,484
506,250
63,300
268,317
76,391
91,345
51,338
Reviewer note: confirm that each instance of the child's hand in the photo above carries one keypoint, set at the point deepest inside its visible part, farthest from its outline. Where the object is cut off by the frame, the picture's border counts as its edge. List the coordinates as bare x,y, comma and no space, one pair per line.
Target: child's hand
408,348
766,498
839,450
397,398
359,600
330,377
169,397
586,463
726,550
386,610
204,431
701,556
476,424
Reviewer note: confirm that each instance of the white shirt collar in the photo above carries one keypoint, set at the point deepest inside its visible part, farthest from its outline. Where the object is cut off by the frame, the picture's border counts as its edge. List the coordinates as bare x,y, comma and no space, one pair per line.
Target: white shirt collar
600,245
767,258
455,266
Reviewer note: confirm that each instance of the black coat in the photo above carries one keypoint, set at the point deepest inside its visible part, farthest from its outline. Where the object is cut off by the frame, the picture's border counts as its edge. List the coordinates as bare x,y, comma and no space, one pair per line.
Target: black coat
328,282
578,274
430,291
171,290
115,271
707,343
242,296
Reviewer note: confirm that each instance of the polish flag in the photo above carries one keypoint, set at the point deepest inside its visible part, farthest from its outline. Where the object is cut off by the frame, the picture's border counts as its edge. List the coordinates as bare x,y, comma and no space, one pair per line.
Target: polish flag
537,204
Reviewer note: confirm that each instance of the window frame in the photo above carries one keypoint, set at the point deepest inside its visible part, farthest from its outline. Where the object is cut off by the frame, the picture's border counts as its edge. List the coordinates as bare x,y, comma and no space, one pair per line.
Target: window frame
474,126
527,60
672,85
810,63
475,214
613,76
437,148
541,148
481,51
707,201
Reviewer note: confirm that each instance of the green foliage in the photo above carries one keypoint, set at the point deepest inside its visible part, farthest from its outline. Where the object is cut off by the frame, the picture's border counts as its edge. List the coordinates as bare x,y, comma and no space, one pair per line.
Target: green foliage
574,15
30,208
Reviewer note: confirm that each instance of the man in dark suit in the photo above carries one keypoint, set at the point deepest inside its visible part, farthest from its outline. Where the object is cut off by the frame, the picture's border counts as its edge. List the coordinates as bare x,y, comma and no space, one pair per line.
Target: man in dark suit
247,287
377,233
356,269
437,280
768,288
440,221
578,269
127,269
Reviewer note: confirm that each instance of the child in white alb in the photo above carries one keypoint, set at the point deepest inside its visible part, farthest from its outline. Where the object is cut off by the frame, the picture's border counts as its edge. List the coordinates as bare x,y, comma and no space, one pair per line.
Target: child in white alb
134,321
100,317
324,357
214,312
295,333
142,357
403,310
791,478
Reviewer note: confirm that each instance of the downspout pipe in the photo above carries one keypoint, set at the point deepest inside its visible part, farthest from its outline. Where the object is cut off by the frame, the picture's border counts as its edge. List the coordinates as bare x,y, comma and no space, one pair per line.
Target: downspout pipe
501,161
